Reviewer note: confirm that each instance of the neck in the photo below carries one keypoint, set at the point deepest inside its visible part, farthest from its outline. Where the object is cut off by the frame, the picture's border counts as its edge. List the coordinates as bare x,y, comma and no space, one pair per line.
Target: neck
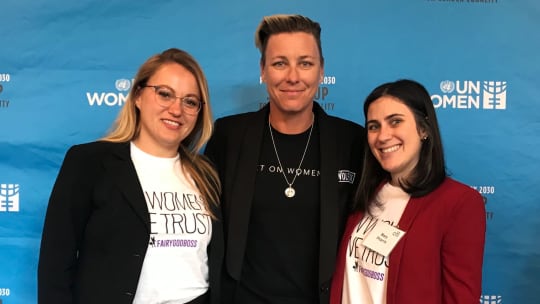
395,180
155,150
294,123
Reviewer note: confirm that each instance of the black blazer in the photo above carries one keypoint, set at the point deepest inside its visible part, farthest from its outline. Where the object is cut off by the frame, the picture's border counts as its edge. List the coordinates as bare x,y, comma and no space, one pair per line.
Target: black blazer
235,149
97,229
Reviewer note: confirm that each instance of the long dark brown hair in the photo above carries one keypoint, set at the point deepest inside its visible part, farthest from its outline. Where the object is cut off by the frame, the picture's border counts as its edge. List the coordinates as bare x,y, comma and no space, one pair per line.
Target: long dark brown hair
430,171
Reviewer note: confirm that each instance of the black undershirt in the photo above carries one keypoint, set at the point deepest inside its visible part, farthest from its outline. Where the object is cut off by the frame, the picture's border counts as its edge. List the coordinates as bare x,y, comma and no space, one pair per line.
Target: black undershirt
282,251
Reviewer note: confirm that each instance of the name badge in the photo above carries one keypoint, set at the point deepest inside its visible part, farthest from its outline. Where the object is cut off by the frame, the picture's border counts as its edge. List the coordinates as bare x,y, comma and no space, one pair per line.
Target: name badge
383,238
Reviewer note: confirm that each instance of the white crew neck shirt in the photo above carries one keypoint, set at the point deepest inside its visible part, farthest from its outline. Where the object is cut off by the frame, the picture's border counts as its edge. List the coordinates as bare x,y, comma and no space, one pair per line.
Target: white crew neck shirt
366,271
175,268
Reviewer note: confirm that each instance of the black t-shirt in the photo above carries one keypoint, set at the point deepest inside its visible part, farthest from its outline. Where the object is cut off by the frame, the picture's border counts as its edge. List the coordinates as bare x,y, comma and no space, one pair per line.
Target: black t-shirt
282,251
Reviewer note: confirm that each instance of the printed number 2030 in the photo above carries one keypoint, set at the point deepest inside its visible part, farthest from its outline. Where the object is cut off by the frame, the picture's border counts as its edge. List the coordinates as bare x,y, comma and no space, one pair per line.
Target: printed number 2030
486,189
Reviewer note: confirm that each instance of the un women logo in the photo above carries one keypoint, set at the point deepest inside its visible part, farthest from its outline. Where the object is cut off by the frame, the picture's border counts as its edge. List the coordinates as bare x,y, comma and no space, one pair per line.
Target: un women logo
490,299
122,84
447,86
9,197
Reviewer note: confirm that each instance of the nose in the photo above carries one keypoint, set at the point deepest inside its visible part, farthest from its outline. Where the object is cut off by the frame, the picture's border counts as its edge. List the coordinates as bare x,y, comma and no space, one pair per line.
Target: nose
385,133
176,107
292,76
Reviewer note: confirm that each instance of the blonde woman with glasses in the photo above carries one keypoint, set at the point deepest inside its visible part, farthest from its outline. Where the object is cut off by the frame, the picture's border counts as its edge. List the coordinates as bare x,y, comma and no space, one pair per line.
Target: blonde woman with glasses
131,216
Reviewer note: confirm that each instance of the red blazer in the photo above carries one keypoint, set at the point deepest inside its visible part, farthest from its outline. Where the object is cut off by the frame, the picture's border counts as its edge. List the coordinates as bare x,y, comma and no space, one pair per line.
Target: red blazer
439,259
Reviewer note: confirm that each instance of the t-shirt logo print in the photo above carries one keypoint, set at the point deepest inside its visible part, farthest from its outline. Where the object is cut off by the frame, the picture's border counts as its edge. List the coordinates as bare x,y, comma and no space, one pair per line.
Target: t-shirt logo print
346,176
152,241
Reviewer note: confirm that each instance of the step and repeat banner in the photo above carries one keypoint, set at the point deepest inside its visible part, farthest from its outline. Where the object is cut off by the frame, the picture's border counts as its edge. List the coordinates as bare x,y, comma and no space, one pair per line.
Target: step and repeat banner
66,68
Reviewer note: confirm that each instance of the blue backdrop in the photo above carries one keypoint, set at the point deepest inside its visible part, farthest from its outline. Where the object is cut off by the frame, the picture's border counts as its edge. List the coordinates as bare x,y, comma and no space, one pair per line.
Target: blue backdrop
66,68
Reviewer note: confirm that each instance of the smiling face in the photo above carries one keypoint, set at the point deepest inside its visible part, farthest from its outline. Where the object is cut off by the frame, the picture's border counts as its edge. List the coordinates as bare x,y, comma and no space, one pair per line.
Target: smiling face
393,136
292,71
162,129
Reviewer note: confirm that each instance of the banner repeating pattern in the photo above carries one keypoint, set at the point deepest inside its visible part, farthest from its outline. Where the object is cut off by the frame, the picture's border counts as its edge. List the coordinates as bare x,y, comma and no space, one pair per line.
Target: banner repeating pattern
66,68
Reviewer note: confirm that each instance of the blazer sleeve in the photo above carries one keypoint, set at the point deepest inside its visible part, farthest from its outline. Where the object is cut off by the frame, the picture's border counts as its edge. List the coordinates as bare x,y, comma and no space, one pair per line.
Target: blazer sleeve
463,250
66,216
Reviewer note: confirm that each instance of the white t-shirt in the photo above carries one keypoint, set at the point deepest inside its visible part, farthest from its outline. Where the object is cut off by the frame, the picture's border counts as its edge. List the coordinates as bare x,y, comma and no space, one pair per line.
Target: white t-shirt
175,268
366,271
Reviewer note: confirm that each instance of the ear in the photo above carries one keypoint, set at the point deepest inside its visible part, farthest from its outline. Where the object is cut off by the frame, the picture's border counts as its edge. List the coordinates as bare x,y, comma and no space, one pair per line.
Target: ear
262,78
423,135
138,101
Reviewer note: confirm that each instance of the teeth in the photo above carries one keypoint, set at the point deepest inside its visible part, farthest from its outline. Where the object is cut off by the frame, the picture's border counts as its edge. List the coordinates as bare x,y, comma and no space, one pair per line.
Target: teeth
170,122
391,149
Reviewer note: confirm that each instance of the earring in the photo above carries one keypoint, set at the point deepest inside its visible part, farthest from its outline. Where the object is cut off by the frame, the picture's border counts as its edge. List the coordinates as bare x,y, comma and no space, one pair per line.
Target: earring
424,138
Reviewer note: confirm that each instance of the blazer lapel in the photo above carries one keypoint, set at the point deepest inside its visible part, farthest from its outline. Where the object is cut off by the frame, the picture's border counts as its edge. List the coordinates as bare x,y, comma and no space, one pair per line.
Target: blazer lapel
241,196
124,175
329,206
409,214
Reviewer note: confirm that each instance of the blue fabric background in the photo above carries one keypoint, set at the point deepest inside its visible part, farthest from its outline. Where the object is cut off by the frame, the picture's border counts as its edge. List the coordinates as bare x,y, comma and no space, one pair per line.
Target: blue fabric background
66,66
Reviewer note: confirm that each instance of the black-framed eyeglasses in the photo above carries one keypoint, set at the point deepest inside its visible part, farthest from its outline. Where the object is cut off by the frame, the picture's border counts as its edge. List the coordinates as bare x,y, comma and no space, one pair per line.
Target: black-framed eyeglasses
166,96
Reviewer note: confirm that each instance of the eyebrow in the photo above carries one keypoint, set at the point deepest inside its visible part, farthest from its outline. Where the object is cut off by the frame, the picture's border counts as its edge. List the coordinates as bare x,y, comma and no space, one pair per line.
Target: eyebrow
187,95
191,95
389,117
303,57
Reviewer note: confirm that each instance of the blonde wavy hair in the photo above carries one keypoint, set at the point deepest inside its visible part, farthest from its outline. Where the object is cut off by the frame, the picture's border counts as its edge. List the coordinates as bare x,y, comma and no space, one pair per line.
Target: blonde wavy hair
127,127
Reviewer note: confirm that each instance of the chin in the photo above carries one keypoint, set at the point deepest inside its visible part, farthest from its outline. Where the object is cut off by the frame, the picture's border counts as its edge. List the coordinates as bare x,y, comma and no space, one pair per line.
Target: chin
389,169
293,106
